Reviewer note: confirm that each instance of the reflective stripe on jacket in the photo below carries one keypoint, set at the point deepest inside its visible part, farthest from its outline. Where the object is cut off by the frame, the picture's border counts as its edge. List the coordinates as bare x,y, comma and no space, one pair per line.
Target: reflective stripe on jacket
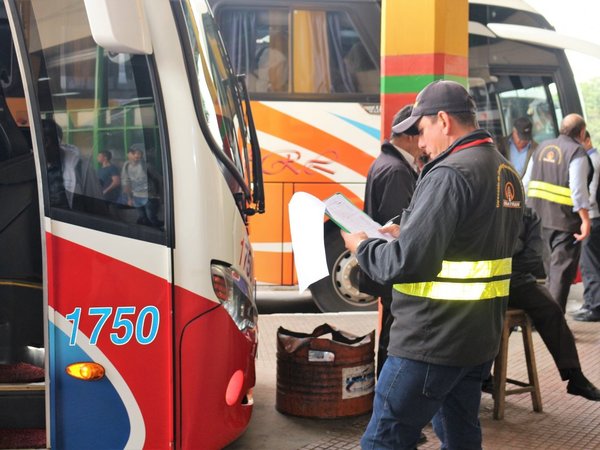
464,280
550,192
452,261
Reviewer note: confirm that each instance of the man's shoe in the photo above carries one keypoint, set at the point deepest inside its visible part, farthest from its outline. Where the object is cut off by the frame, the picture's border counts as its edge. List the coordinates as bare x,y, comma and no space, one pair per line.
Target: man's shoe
579,311
584,388
587,315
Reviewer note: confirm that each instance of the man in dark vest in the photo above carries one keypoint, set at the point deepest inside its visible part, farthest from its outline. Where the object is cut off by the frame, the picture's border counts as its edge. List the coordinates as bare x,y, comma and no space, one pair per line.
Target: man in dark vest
450,265
556,183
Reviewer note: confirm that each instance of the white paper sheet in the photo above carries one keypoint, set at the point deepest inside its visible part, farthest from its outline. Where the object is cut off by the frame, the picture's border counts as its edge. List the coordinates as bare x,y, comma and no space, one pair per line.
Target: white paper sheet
352,219
306,226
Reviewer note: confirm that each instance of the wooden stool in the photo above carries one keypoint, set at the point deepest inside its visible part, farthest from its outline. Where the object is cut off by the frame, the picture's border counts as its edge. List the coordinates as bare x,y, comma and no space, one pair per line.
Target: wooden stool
513,318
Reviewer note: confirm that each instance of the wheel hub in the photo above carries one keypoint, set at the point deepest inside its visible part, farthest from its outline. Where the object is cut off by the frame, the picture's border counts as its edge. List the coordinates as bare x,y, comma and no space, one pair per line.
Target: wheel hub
344,280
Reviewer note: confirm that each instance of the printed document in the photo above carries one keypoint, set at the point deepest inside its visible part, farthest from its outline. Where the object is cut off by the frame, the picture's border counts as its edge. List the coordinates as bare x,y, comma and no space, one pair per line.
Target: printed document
352,219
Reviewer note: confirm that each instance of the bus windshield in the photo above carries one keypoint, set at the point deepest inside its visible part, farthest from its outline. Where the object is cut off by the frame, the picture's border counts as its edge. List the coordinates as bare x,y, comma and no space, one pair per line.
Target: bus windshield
217,87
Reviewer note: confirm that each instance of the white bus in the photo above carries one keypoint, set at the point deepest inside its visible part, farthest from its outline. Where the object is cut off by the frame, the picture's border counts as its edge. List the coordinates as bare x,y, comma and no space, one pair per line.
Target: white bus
129,169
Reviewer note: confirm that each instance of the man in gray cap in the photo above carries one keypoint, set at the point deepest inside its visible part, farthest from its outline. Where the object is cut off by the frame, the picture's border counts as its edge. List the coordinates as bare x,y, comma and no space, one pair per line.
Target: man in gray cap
519,145
450,267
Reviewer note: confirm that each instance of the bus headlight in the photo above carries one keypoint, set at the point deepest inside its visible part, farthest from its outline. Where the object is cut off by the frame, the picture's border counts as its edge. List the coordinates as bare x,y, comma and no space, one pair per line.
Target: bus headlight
236,295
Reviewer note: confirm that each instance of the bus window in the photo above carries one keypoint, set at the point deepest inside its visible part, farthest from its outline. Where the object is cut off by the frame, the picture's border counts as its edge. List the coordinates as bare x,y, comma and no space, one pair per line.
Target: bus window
487,107
328,56
102,150
530,96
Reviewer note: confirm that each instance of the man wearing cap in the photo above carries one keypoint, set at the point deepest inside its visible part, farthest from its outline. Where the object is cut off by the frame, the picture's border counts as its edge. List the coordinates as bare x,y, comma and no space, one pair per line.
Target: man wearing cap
557,189
450,266
390,185
519,146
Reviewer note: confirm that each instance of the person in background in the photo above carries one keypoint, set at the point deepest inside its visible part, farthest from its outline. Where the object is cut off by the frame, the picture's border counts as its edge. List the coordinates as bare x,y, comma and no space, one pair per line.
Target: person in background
390,185
108,176
519,146
54,172
590,253
545,312
557,189
141,186
450,268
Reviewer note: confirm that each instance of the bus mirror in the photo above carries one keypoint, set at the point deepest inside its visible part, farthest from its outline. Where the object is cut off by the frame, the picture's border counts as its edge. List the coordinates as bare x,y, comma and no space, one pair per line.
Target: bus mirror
119,25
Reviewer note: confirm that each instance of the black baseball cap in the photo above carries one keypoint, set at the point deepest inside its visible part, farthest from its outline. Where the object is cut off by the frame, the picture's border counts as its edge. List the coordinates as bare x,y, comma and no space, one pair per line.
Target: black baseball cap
400,116
523,126
440,95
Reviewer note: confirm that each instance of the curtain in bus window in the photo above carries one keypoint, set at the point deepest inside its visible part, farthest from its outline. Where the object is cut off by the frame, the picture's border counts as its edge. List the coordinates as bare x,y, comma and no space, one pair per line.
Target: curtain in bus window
239,34
311,53
341,76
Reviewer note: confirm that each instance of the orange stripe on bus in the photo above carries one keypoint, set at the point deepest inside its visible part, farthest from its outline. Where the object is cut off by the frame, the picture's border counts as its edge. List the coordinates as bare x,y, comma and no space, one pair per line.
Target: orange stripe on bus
286,127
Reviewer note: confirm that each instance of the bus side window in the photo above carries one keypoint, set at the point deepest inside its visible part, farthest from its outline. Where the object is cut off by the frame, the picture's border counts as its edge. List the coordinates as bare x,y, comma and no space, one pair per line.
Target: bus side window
327,54
95,107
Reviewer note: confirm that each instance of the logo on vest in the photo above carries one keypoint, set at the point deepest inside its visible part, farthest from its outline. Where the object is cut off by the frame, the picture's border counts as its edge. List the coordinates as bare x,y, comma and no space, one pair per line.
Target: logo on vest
551,154
509,196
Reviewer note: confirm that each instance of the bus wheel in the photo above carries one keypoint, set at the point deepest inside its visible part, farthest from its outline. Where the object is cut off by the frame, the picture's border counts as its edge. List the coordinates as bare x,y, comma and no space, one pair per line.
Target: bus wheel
338,291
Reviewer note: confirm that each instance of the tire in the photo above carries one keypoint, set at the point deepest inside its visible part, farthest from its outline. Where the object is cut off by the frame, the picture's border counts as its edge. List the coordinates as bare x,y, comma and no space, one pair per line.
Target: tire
338,292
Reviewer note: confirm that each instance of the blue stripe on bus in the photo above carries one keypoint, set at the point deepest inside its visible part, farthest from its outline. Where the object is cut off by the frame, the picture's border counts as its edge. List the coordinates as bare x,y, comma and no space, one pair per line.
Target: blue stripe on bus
373,132
85,414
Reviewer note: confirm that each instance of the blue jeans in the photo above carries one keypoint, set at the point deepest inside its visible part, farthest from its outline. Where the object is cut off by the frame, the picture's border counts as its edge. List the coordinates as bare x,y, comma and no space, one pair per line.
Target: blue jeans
409,394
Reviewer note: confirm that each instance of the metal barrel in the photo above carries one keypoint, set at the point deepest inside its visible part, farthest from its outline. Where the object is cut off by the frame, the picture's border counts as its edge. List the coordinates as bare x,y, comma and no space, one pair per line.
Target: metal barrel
325,378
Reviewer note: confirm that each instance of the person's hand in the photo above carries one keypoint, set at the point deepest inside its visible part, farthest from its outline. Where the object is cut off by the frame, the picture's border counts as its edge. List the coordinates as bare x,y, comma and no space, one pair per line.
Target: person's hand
585,227
352,240
584,231
392,229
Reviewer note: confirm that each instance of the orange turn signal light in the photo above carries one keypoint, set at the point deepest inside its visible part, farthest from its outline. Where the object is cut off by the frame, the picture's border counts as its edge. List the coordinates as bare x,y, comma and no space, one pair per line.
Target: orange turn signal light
88,371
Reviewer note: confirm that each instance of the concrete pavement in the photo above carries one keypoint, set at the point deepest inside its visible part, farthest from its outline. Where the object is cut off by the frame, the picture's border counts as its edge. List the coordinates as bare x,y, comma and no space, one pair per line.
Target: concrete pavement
567,422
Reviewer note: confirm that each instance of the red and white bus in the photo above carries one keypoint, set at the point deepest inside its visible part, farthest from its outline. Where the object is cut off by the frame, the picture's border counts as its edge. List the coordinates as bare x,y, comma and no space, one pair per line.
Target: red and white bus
129,169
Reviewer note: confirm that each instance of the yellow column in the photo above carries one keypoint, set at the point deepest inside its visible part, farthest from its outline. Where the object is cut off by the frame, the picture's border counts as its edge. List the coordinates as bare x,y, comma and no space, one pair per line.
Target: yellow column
421,41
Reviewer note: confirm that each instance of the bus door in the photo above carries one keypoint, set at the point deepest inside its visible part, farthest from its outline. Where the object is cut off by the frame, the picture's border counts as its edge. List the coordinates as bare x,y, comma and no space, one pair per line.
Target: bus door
91,248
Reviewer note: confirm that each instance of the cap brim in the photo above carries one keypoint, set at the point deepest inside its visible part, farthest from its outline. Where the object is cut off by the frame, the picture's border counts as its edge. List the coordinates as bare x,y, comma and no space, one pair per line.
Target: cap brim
406,125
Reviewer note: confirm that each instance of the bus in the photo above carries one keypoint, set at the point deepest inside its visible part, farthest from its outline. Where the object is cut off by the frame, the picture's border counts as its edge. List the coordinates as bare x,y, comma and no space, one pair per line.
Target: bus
129,172
313,70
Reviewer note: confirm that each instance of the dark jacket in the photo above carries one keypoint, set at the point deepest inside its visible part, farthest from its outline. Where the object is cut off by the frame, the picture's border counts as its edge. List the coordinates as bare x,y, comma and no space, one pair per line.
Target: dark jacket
551,168
467,207
390,185
527,258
